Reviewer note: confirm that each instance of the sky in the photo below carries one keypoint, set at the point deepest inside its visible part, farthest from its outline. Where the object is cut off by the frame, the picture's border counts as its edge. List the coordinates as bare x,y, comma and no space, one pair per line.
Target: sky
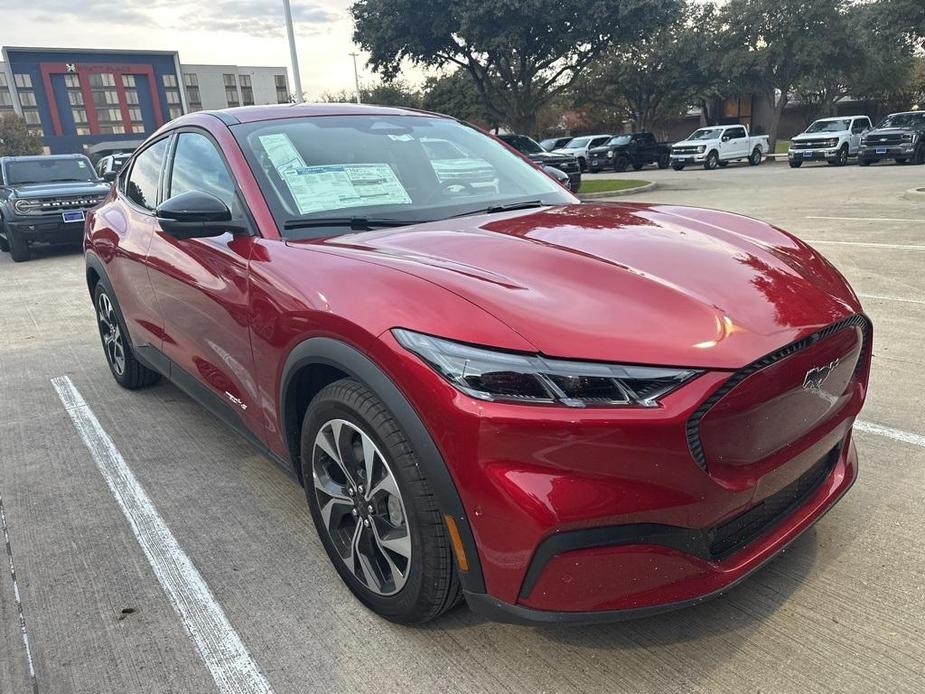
235,32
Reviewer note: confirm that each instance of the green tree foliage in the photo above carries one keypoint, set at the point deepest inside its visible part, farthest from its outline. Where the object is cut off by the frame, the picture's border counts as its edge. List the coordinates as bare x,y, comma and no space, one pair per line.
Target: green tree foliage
16,138
394,93
455,95
520,54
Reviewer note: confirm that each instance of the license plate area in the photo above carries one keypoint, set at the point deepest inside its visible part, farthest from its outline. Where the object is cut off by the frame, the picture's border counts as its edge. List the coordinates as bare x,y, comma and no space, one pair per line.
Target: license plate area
73,216
807,155
881,150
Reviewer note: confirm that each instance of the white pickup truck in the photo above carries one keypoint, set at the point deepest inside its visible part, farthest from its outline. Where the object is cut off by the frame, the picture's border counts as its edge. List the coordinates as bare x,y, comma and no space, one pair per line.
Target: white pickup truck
718,145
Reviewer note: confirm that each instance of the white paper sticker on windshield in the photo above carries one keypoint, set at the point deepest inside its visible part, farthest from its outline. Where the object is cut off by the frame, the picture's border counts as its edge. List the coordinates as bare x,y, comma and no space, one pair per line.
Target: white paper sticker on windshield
282,152
337,186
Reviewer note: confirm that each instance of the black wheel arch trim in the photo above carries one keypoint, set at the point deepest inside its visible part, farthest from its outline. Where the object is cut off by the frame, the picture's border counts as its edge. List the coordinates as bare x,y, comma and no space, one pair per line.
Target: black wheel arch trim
330,352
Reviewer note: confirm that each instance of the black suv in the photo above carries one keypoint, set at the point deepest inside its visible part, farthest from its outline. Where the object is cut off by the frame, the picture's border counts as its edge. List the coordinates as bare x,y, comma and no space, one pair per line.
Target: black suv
633,149
45,198
900,136
566,163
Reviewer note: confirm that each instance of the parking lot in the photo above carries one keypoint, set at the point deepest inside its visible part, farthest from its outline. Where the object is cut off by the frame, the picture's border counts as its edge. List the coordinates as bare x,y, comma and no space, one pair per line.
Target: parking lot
841,610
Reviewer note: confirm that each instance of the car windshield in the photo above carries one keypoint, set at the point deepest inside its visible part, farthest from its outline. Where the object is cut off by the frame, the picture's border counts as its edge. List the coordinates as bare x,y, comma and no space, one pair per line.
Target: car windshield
706,134
828,126
522,143
49,170
389,170
621,140
578,142
553,143
904,120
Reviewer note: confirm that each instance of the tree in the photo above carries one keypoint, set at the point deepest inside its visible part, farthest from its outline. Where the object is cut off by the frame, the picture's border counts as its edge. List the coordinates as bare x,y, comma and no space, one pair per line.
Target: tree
652,80
15,137
394,93
454,94
520,54
776,43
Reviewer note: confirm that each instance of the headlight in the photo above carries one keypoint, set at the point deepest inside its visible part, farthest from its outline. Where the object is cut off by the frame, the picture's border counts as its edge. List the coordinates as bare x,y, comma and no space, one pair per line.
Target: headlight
832,143
26,206
487,374
610,154
701,149
908,137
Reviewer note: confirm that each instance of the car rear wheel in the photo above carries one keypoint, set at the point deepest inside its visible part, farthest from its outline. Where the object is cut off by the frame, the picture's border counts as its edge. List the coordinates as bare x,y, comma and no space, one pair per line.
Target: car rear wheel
373,508
637,167
712,161
663,161
582,164
620,164
796,164
919,156
864,162
756,157
126,369
678,167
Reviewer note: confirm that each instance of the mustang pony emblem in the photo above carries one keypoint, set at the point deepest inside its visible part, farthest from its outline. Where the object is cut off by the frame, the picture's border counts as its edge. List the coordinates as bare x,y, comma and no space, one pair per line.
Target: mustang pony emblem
815,377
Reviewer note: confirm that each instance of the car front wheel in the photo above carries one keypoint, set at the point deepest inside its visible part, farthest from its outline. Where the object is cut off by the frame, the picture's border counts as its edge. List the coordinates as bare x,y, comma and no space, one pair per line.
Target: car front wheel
126,369
712,161
373,508
16,245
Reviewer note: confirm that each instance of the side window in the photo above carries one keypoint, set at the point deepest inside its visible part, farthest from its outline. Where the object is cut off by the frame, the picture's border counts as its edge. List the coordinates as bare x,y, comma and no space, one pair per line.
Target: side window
599,141
860,125
141,184
197,165
735,133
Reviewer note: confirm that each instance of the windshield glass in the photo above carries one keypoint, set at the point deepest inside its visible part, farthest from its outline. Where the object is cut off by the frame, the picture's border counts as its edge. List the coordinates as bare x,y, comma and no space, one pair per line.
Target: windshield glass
706,134
522,143
399,169
828,126
49,170
553,143
904,120
621,140
578,142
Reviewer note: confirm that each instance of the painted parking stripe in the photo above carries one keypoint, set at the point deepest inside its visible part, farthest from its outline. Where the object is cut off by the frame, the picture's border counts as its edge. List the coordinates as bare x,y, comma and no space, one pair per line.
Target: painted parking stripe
869,219
881,297
890,433
868,244
219,646
18,600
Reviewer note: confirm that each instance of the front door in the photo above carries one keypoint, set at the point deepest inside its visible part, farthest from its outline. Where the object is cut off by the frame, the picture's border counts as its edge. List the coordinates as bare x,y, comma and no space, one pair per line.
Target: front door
202,286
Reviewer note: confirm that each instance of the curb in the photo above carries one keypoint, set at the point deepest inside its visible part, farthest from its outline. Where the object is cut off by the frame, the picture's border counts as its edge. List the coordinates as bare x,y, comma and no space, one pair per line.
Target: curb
614,193
916,194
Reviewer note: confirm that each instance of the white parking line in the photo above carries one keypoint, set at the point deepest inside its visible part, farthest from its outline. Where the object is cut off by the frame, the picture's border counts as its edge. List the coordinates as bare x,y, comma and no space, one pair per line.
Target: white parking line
870,219
219,646
890,433
891,298
18,600
868,244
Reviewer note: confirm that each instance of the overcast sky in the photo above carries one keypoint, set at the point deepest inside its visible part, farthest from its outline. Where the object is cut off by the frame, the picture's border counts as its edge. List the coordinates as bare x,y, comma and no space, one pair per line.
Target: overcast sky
237,32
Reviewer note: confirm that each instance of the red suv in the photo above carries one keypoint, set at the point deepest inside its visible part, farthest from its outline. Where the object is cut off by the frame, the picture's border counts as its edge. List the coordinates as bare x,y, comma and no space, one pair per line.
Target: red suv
560,411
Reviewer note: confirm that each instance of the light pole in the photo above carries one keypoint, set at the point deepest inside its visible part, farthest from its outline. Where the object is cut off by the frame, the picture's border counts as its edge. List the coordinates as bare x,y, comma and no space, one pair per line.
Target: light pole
296,78
356,76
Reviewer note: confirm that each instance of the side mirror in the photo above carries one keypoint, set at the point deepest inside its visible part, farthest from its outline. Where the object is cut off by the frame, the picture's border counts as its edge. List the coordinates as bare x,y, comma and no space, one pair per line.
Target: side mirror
109,176
195,215
725,138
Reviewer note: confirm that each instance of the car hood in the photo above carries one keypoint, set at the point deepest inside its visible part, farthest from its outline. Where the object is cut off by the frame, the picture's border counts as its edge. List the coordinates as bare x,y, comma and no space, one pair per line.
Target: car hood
820,136
649,284
550,158
44,190
694,143
892,131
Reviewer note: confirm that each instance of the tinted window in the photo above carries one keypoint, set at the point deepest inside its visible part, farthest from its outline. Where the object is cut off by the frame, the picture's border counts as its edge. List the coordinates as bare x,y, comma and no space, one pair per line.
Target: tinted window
141,186
522,143
49,170
197,165
860,126
734,133
598,141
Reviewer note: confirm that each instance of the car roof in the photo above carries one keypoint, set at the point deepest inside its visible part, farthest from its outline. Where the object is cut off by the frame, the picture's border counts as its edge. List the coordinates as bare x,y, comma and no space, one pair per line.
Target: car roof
905,113
838,118
254,114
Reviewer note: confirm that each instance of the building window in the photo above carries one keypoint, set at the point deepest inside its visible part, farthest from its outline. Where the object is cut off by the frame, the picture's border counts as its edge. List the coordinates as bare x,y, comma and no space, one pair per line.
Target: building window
27,99
128,81
75,97
190,79
247,90
30,112
6,96
131,96
230,80
175,112
170,81
105,96
23,81
72,81
31,117
172,89
79,115
282,89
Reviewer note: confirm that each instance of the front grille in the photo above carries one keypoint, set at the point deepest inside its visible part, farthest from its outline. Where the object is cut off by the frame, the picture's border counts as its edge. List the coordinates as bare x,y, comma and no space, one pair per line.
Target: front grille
813,144
741,530
685,150
694,442
885,140
57,204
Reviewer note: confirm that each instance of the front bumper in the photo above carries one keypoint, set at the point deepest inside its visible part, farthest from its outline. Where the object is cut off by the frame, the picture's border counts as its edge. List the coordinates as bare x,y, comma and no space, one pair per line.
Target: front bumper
874,153
821,154
48,228
652,578
688,158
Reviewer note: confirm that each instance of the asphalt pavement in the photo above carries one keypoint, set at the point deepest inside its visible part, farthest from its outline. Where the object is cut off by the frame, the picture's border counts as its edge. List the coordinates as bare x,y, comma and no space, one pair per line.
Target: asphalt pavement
841,611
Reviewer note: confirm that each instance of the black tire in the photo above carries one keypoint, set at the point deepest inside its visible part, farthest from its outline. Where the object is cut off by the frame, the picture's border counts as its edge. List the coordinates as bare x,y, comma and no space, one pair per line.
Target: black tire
918,157
620,164
722,164
663,161
901,160
16,246
638,167
841,158
712,161
129,372
678,167
4,246
796,164
864,162
582,164
431,585
756,157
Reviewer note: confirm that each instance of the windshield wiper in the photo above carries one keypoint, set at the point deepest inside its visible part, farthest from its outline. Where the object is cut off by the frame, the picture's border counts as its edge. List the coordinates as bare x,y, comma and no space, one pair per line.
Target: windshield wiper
522,205
354,223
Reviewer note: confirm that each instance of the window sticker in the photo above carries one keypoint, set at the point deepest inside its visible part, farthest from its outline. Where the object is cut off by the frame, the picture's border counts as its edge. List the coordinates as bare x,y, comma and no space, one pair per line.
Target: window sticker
339,186
282,152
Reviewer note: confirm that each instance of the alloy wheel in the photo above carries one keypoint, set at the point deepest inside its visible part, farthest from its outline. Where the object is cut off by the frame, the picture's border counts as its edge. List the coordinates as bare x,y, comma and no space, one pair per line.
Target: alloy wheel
113,344
361,506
